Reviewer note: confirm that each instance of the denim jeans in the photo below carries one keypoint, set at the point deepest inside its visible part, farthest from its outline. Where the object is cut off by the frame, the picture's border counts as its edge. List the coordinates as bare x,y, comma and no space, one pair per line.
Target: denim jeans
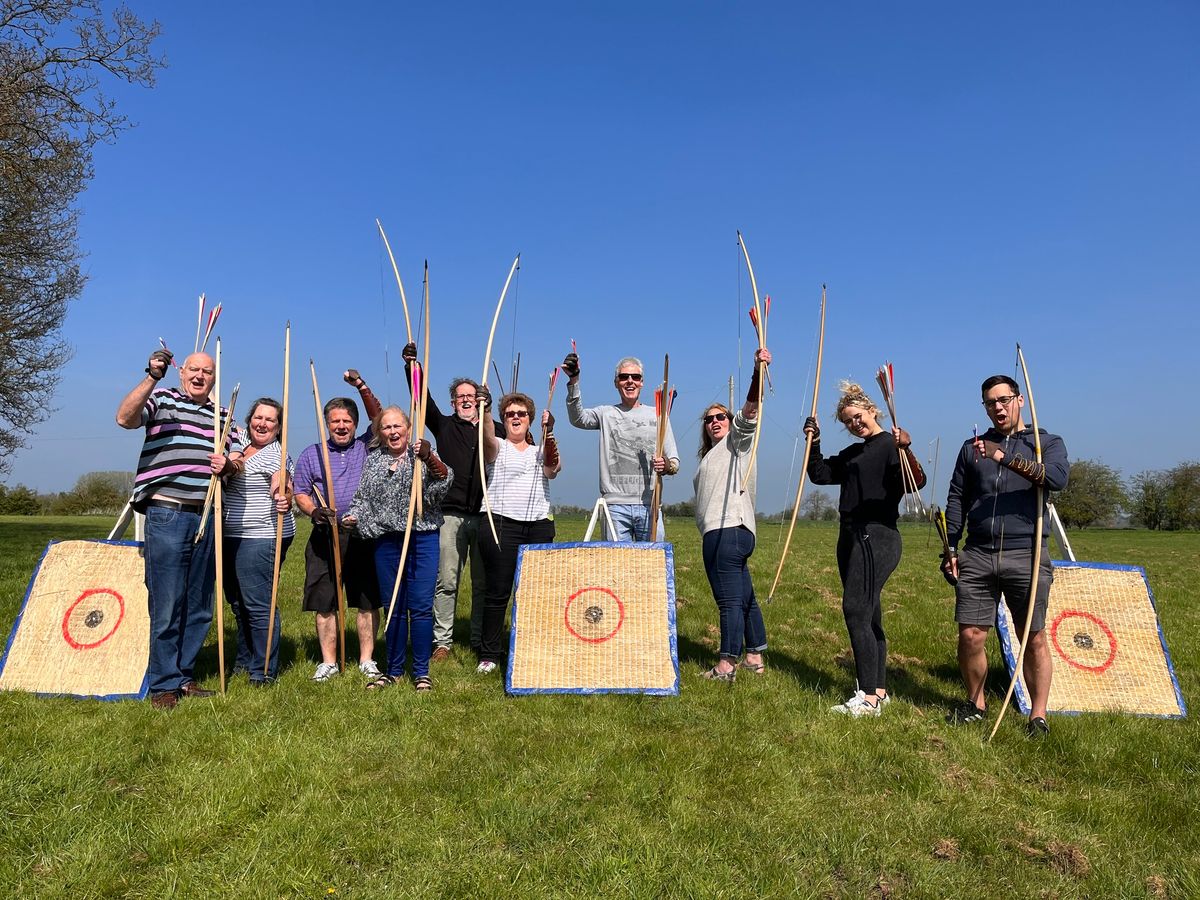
249,575
500,561
632,522
414,600
179,581
460,538
727,553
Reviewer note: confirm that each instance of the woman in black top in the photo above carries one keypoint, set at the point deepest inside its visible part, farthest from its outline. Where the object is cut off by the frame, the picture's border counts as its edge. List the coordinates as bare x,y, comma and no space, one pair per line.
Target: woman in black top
868,548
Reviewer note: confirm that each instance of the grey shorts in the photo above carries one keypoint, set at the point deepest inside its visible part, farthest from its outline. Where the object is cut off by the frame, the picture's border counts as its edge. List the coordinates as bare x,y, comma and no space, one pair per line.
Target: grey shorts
984,575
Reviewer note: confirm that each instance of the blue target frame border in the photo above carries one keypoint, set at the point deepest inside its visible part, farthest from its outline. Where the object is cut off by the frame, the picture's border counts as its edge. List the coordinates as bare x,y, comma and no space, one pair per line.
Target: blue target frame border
669,563
142,692
1010,647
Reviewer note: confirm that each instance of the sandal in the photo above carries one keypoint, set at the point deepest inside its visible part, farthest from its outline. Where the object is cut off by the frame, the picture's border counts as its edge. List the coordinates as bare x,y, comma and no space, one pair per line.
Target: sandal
423,684
383,681
756,668
715,674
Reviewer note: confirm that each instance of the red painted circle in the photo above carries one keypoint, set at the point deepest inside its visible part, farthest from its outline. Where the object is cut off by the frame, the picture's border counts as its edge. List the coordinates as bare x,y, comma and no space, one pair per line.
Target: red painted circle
602,638
66,622
1099,623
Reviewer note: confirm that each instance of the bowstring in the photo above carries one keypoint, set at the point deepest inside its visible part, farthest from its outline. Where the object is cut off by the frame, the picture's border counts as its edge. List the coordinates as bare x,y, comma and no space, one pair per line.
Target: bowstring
387,369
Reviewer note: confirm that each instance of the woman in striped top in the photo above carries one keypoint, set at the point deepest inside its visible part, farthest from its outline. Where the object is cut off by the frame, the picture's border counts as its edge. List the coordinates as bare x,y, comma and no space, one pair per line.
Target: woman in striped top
519,493
254,499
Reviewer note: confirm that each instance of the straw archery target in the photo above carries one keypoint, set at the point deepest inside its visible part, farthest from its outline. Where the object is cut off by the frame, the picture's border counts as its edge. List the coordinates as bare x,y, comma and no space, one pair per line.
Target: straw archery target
84,628
594,617
1107,647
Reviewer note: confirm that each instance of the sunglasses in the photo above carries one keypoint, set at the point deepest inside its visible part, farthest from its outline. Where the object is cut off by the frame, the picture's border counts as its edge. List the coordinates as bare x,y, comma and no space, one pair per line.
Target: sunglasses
715,417
629,376
517,414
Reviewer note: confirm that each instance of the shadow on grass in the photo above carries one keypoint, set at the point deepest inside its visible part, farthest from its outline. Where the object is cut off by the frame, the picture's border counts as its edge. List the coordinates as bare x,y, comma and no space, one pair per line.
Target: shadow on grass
694,653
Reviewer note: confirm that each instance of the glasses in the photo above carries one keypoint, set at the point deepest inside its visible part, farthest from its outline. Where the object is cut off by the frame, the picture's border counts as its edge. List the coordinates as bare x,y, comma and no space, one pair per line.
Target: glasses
715,417
999,401
854,421
629,376
462,399
517,414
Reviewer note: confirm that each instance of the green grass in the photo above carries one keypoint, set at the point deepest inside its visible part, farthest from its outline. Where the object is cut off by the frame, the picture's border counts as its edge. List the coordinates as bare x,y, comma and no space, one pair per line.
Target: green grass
753,790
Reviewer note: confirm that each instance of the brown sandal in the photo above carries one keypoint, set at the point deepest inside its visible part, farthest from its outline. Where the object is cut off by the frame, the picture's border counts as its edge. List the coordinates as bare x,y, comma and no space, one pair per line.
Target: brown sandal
383,681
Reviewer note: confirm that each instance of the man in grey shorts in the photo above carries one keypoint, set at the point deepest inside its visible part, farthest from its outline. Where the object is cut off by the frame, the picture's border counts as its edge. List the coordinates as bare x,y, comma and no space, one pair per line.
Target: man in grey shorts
993,496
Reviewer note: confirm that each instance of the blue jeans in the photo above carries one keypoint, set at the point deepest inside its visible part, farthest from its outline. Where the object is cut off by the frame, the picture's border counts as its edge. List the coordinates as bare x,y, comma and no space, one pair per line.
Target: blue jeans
414,601
179,581
727,553
249,575
632,522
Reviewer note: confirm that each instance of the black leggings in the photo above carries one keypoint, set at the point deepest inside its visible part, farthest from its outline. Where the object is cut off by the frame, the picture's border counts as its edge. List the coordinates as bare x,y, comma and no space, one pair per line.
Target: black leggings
500,569
867,555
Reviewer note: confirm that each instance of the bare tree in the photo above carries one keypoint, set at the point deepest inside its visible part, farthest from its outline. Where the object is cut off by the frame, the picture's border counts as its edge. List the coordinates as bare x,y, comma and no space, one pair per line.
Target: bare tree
55,56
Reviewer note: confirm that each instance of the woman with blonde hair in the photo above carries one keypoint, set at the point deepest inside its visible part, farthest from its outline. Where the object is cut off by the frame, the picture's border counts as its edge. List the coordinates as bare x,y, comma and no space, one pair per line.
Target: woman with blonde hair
725,494
380,512
868,547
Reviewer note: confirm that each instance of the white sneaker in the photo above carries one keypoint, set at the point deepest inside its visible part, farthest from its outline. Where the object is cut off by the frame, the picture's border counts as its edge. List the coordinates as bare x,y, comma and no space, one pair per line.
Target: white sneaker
487,667
369,668
324,672
857,706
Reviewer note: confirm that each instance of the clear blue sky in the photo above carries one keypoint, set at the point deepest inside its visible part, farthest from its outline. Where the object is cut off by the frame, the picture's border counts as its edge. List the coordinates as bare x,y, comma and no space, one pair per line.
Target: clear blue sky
962,176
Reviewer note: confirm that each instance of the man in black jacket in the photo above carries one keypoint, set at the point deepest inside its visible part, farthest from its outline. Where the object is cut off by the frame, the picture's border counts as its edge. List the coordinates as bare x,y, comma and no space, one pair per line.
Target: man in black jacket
993,495
457,439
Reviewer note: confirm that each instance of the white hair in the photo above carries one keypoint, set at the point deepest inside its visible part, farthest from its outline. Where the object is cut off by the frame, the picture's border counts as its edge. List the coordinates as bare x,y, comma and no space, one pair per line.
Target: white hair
629,361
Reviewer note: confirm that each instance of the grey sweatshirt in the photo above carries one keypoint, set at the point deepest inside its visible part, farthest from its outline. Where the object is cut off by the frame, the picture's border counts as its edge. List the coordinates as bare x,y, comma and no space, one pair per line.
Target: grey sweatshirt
627,439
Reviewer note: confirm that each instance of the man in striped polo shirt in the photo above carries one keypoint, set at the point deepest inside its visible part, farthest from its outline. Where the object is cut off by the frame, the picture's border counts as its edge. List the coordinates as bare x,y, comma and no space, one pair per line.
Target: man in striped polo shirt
173,472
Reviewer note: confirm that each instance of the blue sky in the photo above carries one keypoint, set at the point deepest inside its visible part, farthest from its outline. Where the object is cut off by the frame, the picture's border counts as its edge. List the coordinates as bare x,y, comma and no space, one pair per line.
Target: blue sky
962,176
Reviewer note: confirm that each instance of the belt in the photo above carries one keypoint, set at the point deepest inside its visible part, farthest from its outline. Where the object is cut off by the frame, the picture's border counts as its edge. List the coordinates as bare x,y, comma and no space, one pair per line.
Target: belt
176,505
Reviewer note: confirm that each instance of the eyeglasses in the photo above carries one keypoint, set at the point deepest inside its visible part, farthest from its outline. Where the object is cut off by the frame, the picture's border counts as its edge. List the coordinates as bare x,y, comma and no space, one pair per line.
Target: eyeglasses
463,398
999,401
629,376
715,417
517,414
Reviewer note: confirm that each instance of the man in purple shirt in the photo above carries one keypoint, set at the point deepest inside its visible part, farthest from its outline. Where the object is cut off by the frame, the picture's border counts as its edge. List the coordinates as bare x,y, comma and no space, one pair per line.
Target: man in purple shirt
346,456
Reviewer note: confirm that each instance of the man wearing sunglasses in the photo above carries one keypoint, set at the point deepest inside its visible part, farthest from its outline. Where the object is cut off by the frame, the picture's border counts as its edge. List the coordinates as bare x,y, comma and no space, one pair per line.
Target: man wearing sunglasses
628,433
993,495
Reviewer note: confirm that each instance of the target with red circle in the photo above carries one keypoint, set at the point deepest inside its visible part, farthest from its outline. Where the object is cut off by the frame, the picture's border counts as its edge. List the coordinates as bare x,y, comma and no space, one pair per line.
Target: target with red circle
594,614
84,629
93,618
1083,640
594,617
1107,647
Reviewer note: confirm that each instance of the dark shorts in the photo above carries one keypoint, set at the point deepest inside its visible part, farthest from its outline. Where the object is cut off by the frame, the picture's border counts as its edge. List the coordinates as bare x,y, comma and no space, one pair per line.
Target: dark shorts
358,572
983,576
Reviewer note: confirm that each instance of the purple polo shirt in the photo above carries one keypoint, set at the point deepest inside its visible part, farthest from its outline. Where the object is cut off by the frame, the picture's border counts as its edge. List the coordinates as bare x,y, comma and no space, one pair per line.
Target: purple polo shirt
346,463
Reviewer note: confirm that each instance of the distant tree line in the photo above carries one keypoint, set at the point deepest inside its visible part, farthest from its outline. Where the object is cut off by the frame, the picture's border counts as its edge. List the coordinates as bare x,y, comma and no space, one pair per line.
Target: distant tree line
94,494
1165,500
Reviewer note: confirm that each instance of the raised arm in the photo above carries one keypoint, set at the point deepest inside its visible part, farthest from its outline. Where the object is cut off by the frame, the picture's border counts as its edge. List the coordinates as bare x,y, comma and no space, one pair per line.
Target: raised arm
371,405
129,412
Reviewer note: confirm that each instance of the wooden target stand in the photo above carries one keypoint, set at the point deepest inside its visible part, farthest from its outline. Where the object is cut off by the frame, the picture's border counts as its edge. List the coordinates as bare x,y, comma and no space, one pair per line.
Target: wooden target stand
1105,639
594,617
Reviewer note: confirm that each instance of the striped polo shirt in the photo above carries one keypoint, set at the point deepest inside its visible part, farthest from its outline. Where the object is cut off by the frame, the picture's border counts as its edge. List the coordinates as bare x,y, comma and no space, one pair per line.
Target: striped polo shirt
248,504
175,455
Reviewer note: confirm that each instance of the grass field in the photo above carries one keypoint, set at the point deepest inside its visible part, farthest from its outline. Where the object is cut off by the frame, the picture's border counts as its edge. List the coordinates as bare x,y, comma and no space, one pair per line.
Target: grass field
751,790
